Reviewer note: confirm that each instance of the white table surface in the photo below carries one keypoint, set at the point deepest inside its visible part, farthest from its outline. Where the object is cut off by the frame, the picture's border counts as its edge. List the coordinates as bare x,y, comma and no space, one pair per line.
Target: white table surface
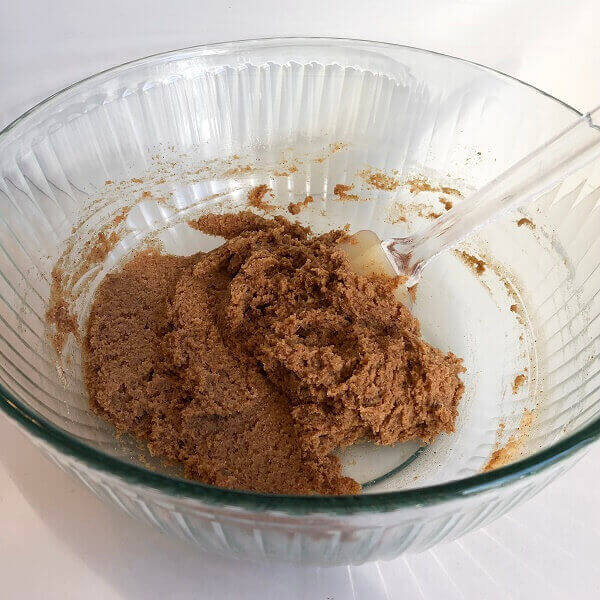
58,541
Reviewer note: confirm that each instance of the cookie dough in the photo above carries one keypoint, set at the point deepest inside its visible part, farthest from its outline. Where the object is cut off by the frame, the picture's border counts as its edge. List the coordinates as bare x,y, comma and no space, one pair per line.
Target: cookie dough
251,364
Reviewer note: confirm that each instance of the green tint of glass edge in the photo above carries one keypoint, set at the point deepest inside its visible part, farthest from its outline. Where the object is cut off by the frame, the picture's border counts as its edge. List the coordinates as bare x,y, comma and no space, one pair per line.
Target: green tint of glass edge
338,505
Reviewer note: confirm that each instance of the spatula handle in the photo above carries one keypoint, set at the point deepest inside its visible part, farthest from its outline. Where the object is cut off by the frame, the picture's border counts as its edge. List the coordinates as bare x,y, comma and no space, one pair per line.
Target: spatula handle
525,181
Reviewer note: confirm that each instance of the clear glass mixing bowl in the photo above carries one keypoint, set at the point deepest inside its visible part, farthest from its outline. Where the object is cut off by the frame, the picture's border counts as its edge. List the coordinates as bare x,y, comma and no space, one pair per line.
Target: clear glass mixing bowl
189,131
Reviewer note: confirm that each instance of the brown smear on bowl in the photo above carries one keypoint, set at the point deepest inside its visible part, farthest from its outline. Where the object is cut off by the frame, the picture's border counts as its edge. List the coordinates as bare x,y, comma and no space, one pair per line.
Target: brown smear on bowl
58,314
475,264
420,184
380,180
97,251
401,212
121,216
446,203
412,292
450,191
342,192
286,172
250,364
511,450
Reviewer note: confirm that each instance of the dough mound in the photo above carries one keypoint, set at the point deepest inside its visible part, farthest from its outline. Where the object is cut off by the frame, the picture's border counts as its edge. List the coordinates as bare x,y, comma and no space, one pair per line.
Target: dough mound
250,364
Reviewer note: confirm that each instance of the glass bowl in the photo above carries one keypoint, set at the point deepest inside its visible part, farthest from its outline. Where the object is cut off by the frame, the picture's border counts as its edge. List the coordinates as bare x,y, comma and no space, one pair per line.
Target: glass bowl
166,138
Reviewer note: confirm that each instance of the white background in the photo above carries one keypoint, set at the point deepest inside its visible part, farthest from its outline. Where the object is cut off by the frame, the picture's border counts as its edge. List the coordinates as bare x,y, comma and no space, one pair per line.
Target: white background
58,541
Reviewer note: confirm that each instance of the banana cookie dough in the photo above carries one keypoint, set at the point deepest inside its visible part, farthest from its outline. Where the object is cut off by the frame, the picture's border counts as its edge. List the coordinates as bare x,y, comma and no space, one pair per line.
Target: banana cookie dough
250,364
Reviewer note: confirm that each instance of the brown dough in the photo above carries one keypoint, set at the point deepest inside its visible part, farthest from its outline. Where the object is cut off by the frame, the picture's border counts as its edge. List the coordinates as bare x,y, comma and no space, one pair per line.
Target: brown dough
250,364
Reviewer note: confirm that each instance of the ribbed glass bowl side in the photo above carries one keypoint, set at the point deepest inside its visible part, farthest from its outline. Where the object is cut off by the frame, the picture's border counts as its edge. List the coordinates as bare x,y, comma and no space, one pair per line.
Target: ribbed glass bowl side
400,108
320,539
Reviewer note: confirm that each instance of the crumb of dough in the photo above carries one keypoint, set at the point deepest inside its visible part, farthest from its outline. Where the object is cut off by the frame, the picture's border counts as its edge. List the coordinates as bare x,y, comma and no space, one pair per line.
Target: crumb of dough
240,170
428,214
447,203
420,184
518,382
256,198
514,308
250,364
450,191
295,207
337,146
342,192
121,216
527,222
475,264
380,180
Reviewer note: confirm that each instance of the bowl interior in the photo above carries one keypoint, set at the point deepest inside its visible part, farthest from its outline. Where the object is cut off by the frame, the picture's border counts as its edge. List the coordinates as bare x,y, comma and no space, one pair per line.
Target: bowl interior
141,149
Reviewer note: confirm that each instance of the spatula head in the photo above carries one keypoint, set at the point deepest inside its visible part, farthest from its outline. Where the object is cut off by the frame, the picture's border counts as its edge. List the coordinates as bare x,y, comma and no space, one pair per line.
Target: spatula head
366,254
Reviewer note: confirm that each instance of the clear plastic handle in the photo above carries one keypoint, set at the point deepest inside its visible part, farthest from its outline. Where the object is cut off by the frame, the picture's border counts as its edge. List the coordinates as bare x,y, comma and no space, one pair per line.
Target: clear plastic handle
525,181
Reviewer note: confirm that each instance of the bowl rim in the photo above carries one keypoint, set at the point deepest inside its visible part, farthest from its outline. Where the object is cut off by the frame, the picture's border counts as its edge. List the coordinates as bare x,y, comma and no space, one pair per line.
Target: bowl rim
46,432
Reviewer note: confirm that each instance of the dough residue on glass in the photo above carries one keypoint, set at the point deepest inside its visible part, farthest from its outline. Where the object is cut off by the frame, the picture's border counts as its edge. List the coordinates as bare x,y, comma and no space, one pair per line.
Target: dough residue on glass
342,191
256,198
295,208
518,382
380,180
527,222
475,264
513,447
